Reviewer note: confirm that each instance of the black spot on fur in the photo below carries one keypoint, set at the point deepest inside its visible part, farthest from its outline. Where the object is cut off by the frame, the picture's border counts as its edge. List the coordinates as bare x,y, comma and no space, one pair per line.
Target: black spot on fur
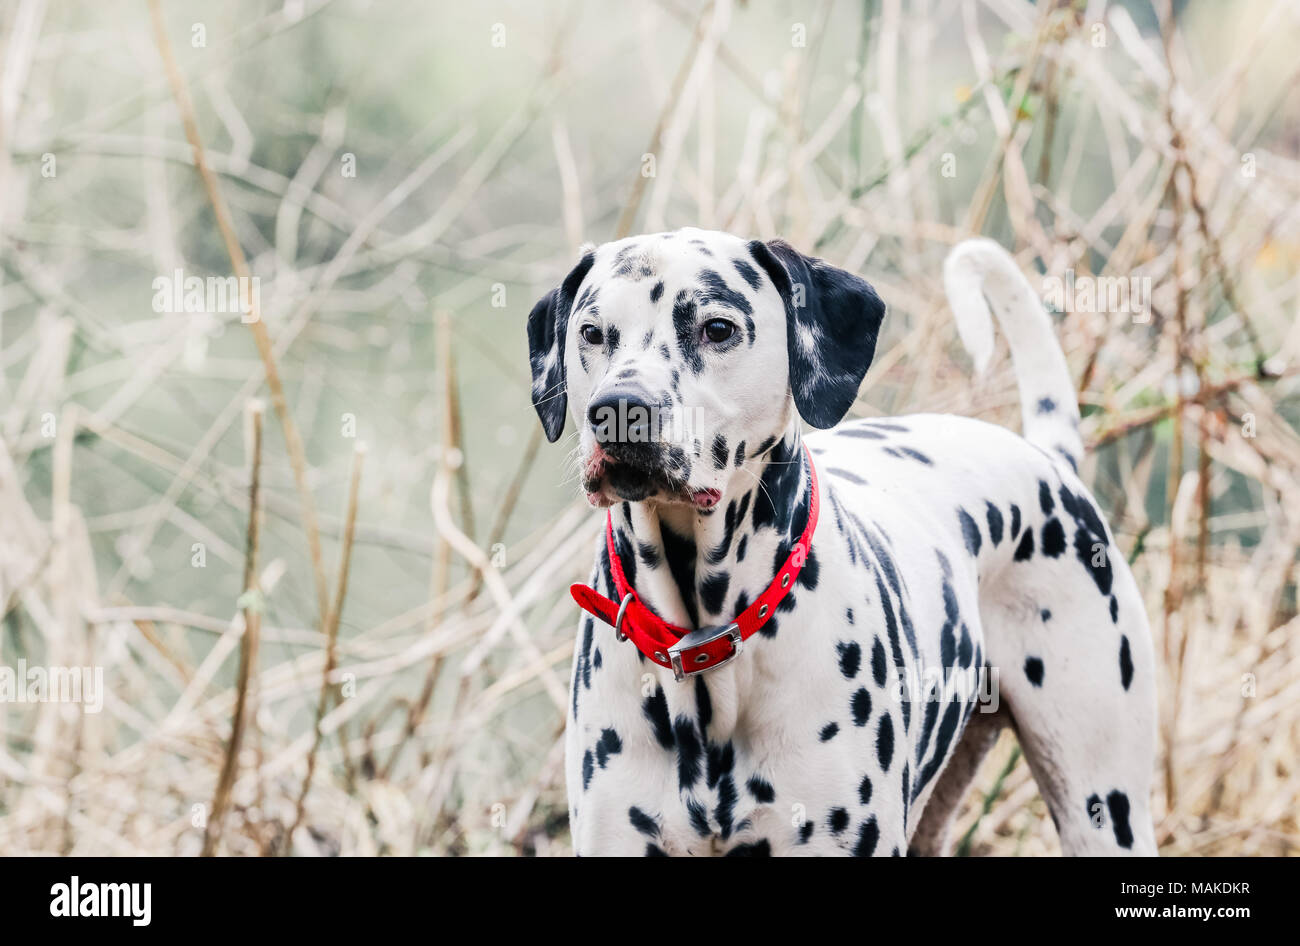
885,742
837,820
994,516
720,761
703,703
861,706
952,716
657,291
724,812
730,519
699,818
948,634
648,553
1053,538
684,328
1015,520
1046,405
868,837
653,850
879,668
1125,662
916,455
931,716
761,789
720,452
805,832
775,501
1045,501
885,560
846,475
747,272
828,731
1025,550
891,625
970,532
715,291
759,848
809,573
863,433
864,790
623,546
688,752
1034,670
631,262
608,745
680,552
1114,610
643,822
740,454
583,667
850,658
655,708
713,590
1117,803
588,769
1091,545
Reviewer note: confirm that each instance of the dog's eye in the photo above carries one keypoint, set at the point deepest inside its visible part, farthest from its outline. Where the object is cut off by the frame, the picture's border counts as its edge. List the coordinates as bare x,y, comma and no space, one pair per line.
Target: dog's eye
592,335
718,330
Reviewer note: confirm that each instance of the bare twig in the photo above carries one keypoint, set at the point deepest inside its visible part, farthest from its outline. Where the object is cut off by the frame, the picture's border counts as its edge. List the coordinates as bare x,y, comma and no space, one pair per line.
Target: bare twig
252,610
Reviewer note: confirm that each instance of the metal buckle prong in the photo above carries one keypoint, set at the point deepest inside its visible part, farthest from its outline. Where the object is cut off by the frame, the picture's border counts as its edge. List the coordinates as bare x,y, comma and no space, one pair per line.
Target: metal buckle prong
618,621
705,635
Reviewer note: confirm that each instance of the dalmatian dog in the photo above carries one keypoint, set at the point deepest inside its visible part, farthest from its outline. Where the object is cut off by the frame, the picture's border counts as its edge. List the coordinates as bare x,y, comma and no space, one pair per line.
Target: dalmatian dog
805,643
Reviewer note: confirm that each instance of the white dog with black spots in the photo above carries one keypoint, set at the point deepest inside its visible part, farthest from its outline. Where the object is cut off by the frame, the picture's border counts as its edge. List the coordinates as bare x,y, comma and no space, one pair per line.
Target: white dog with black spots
959,578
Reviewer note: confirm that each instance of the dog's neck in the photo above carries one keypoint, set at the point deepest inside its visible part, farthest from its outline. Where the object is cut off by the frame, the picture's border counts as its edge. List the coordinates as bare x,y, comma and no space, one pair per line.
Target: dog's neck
697,568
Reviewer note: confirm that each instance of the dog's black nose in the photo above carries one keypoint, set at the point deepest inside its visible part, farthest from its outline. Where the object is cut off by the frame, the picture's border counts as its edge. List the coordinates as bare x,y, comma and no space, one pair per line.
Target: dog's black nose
623,415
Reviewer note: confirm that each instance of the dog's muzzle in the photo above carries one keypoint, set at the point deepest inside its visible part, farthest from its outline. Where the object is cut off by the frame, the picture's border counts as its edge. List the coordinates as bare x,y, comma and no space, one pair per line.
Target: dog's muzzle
627,425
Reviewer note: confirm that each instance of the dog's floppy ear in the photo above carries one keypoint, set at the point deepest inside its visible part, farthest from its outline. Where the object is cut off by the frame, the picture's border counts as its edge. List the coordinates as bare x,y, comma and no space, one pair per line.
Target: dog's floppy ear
548,324
832,320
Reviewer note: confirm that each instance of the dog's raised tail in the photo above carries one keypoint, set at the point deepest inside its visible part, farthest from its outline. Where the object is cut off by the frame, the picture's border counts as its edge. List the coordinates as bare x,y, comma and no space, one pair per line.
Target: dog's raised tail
979,272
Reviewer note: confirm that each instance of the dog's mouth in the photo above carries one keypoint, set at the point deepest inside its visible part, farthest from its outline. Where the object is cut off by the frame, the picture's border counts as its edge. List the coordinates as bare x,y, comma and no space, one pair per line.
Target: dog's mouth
637,475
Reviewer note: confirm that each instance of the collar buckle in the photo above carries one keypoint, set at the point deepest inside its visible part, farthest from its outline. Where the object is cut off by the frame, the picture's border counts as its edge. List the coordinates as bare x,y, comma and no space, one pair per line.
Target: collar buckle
622,613
684,666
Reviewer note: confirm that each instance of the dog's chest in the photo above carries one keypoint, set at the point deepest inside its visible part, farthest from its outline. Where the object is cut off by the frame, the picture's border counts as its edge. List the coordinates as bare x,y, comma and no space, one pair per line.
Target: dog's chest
798,747
661,777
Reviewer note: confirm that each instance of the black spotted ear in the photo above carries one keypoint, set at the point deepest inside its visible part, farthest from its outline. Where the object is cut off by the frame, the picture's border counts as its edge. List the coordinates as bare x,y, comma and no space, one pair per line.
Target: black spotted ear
548,324
832,320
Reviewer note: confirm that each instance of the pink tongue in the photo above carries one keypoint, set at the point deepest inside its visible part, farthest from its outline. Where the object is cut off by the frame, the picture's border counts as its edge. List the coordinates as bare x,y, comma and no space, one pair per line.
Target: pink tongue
705,498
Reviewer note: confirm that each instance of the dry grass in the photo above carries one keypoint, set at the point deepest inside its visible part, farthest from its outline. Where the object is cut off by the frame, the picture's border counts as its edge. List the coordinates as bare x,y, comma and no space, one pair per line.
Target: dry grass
413,701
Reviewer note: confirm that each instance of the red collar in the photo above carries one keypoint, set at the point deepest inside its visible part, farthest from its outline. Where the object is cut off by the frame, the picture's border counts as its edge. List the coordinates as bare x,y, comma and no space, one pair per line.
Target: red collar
688,652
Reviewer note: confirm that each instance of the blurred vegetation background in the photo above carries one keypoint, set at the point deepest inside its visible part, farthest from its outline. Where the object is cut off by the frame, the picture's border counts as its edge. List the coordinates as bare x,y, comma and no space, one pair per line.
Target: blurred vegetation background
375,661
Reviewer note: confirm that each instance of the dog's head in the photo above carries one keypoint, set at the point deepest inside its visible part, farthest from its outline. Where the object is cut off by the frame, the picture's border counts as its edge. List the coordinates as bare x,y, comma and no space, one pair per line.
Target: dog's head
683,355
